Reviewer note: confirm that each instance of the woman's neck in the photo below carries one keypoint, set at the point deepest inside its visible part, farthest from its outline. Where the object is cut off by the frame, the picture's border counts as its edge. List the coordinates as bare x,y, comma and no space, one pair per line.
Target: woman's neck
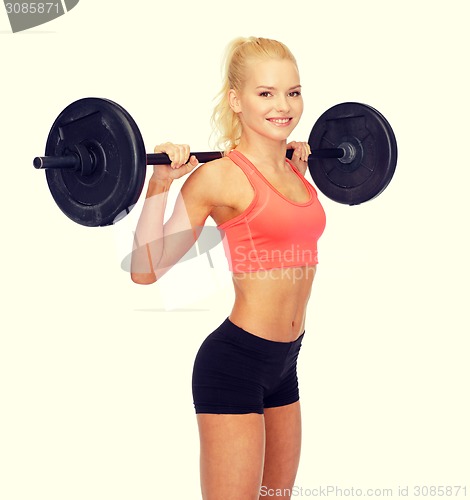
264,152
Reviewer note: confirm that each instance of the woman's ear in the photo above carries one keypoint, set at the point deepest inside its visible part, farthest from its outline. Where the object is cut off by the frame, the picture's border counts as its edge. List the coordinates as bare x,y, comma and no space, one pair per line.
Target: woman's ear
234,101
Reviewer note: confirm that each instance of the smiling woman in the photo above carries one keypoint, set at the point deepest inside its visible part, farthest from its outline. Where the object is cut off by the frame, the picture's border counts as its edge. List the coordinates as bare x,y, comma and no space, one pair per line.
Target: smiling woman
245,388
238,56
269,97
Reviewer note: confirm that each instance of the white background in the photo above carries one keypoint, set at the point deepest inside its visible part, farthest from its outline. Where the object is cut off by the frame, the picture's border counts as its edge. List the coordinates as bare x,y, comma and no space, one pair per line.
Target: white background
95,371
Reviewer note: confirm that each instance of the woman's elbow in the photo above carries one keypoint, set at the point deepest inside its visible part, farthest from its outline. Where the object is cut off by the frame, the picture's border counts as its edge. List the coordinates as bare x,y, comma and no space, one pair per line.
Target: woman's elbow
143,278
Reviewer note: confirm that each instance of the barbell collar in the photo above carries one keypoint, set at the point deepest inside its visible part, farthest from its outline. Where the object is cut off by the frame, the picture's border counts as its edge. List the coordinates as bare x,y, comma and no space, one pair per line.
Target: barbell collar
350,152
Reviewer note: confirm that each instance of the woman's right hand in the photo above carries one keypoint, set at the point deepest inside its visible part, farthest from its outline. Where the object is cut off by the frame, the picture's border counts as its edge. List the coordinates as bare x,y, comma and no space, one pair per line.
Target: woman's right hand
179,155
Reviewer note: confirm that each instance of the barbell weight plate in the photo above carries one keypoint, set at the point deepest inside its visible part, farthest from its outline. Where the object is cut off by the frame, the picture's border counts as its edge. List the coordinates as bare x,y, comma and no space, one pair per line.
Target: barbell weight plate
376,153
111,135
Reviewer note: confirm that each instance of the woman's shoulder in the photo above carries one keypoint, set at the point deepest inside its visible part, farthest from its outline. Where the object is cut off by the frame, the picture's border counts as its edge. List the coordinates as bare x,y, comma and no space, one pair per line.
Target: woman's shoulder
210,177
217,167
213,172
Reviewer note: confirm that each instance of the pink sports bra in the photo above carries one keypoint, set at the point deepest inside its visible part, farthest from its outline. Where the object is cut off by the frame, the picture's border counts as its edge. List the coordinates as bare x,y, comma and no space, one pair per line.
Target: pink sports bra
273,231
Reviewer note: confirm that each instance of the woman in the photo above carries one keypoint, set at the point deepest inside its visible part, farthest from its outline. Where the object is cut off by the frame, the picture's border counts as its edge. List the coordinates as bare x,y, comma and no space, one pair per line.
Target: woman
244,380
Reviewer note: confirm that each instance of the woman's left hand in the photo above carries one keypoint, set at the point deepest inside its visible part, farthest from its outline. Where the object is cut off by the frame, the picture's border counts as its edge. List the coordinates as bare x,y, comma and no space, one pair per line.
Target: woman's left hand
300,156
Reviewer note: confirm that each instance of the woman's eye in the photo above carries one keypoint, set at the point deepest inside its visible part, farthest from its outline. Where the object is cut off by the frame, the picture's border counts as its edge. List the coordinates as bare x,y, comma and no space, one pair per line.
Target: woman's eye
296,93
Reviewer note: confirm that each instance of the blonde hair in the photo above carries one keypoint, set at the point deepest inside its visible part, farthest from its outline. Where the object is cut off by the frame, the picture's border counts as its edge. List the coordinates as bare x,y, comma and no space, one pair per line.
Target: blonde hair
226,122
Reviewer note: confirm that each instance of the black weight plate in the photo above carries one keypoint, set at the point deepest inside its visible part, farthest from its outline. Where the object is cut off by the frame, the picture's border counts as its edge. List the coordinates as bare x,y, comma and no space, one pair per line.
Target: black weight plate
108,131
372,169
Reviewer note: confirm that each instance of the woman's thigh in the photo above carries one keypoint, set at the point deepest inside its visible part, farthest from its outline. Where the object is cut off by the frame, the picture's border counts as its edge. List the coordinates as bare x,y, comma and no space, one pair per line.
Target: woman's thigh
283,434
232,455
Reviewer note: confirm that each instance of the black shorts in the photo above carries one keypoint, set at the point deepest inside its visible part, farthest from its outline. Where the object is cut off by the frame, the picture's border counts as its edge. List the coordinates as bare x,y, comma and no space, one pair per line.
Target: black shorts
237,372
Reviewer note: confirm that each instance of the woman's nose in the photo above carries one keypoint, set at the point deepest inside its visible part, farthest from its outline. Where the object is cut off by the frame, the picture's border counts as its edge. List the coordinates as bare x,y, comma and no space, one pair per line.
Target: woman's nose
282,104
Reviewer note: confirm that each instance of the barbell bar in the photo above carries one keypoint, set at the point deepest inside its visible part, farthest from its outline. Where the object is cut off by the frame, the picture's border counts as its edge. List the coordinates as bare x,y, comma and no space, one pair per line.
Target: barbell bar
73,161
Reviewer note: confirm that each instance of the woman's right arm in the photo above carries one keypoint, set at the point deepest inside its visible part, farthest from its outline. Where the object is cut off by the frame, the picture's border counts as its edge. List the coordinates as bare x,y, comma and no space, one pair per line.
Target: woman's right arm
158,246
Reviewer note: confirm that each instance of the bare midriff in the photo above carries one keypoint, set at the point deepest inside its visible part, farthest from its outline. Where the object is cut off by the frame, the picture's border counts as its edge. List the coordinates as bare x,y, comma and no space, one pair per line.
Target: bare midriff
272,303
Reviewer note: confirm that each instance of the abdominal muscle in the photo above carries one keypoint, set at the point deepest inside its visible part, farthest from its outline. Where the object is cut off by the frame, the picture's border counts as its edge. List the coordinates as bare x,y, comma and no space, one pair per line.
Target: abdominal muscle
272,303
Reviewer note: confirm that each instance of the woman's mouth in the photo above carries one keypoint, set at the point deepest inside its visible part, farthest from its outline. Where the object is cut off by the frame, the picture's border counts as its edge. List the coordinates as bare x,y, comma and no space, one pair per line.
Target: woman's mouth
280,122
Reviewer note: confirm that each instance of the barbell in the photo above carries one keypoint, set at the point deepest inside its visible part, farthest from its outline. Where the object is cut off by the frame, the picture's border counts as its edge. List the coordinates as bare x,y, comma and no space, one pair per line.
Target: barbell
95,158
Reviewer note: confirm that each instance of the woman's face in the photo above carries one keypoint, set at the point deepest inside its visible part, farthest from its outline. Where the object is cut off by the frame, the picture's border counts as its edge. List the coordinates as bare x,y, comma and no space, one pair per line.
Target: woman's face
270,103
